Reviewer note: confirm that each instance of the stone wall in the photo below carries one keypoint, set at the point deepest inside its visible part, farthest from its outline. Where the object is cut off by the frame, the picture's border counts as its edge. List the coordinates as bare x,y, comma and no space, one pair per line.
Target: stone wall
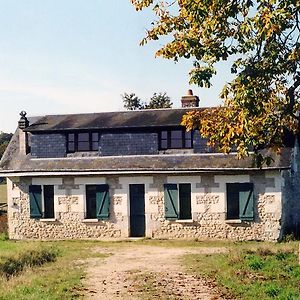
208,202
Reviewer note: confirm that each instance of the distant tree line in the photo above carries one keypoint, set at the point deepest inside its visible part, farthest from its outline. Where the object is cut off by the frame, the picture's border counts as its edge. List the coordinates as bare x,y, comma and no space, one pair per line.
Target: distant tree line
158,100
4,140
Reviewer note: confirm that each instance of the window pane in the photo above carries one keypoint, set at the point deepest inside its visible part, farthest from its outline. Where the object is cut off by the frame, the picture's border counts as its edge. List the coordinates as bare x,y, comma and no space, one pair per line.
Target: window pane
185,208
95,146
233,208
188,135
91,201
48,201
71,137
176,134
164,134
71,146
83,137
83,146
176,143
95,136
164,144
188,143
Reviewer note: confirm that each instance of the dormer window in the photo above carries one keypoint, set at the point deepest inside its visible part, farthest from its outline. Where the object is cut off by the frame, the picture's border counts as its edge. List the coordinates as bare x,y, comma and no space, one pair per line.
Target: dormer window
83,141
175,139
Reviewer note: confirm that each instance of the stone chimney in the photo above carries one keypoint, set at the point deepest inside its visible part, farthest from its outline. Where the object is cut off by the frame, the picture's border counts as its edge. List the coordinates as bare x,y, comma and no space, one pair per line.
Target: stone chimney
189,100
23,123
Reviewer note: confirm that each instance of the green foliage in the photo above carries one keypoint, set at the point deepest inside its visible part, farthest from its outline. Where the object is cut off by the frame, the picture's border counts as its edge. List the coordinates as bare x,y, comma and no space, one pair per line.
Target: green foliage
158,100
4,140
250,271
132,102
3,236
255,262
262,39
10,266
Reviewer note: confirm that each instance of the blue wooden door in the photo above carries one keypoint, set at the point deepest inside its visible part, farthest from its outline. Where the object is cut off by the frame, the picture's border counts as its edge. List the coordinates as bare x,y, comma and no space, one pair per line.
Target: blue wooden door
137,210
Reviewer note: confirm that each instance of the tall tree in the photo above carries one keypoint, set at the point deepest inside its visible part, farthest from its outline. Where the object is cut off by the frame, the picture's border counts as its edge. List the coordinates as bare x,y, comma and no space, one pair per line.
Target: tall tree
262,39
132,102
159,100
4,140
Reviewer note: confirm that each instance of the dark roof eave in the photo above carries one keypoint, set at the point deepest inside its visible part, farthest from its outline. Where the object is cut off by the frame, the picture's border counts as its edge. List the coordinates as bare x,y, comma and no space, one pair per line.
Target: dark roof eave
136,171
102,128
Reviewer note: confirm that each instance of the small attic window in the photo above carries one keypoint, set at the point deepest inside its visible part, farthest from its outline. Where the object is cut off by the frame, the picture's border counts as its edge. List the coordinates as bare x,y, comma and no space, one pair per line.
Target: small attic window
175,139
82,141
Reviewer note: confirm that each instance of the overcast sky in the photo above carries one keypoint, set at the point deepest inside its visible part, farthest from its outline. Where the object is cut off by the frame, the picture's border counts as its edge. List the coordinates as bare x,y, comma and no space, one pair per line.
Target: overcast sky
75,56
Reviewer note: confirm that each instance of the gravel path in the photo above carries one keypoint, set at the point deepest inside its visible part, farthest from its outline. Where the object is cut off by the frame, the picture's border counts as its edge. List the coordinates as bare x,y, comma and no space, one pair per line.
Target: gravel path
119,275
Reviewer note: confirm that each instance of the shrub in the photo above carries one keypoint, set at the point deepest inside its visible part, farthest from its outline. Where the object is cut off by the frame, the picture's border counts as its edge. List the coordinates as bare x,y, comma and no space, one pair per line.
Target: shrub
10,266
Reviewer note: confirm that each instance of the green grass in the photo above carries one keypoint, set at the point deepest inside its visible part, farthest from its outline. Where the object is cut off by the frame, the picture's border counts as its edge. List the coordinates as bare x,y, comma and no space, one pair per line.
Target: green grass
3,195
248,271
59,279
252,270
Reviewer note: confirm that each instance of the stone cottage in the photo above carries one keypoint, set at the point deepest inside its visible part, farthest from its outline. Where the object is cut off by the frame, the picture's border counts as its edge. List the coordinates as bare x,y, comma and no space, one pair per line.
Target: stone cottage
139,174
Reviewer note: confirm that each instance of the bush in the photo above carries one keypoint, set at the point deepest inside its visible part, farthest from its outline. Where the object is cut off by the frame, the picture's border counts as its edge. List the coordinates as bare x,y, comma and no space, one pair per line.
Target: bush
10,266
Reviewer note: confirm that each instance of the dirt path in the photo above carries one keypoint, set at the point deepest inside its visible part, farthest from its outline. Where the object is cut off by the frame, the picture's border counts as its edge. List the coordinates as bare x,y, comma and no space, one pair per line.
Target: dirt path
128,271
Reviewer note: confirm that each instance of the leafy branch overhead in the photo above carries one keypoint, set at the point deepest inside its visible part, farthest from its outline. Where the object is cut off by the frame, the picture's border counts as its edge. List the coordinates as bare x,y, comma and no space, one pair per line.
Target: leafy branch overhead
158,100
261,39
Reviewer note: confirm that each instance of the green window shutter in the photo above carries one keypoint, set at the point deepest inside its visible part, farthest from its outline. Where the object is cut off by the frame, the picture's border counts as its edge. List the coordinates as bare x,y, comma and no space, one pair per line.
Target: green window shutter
246,202
171,201
102,202
35,198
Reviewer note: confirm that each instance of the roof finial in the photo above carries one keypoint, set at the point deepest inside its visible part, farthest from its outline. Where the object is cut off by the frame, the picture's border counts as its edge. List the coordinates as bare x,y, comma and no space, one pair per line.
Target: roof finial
23,114
23,122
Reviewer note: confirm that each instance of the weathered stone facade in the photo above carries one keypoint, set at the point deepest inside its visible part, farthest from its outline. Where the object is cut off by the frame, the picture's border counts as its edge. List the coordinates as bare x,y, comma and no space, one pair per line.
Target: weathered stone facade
208,206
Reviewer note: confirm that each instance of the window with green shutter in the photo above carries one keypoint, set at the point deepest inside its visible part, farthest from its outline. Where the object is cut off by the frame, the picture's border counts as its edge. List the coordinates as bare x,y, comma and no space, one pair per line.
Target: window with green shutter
177,199
41,200
240,201
35,198
97,201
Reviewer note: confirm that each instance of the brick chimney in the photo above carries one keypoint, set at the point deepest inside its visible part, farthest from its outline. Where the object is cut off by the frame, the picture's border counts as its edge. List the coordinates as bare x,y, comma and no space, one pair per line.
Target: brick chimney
189,100
23,123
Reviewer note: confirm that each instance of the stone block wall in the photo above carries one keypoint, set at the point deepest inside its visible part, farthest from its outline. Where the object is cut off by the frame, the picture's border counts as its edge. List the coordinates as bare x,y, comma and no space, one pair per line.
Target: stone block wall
48,145
208,202
69,203
128,144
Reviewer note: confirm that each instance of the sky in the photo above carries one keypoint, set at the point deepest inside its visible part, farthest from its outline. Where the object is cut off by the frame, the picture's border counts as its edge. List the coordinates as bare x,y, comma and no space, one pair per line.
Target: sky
79,56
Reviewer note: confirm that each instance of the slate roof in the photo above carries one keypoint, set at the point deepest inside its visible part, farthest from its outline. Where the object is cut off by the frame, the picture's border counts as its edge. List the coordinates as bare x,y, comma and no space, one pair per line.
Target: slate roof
14,162
110,120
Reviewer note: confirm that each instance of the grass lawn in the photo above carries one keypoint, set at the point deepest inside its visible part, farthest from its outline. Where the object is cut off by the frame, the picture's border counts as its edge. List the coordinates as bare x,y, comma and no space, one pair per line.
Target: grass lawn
60,279
252,270
249,270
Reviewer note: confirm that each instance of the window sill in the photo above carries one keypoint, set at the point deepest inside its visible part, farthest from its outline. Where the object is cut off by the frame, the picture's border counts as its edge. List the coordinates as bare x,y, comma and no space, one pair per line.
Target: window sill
91,221
48,220
235,221
184,221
